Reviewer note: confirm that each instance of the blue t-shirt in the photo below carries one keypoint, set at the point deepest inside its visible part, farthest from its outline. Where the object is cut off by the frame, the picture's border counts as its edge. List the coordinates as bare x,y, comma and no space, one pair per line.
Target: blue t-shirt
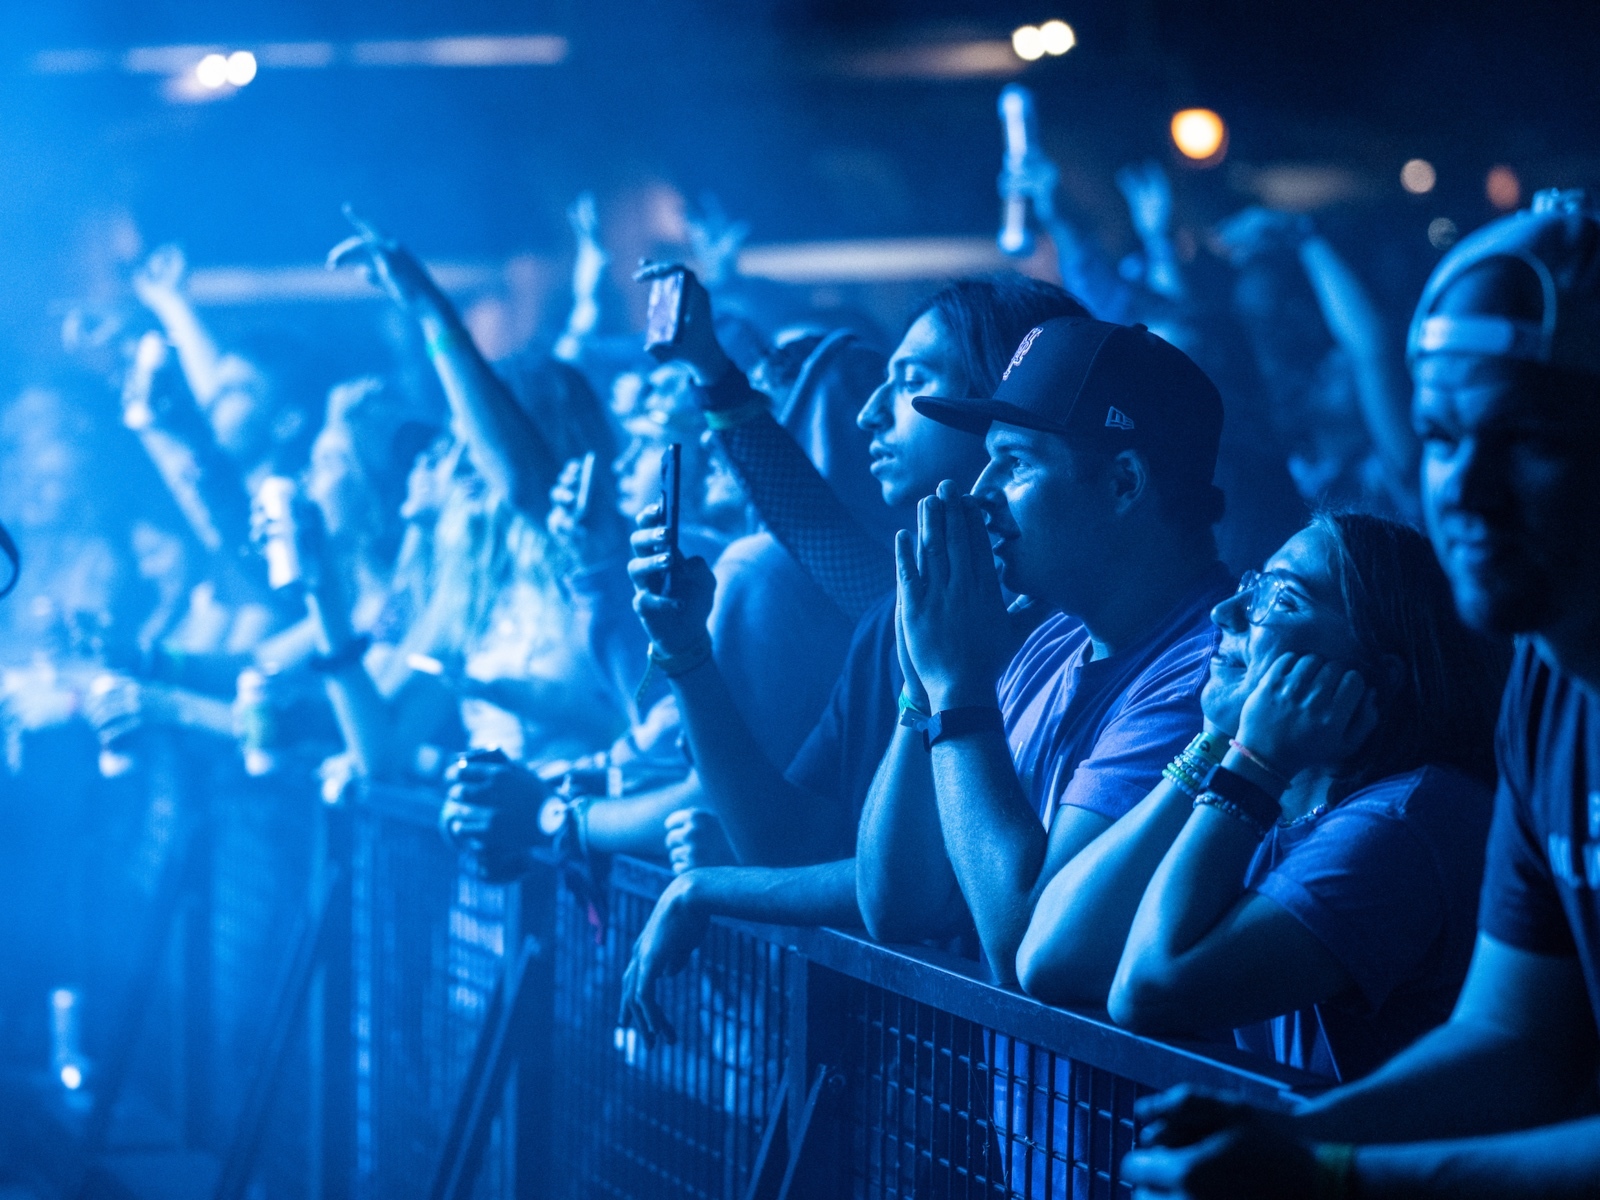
1095,734
841,754
1541,887
1388,881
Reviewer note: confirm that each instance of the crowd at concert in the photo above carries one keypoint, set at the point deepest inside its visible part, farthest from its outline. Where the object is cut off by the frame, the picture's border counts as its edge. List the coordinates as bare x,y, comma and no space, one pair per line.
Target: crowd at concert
1151,637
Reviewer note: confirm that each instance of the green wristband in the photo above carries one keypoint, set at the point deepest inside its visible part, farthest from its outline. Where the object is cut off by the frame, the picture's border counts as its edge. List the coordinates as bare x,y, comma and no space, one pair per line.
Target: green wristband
1336,1171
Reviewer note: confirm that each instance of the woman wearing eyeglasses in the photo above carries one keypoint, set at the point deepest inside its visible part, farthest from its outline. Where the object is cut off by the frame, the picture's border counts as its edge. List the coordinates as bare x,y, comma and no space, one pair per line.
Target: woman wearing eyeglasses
1307,872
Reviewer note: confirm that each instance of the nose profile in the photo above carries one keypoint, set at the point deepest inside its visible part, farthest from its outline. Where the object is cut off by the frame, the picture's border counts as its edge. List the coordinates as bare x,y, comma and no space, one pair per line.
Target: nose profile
871,418
1229,614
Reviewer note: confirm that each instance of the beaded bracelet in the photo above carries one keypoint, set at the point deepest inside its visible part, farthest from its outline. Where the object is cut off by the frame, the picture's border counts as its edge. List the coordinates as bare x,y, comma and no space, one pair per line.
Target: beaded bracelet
1212,800
1187,772
1180,773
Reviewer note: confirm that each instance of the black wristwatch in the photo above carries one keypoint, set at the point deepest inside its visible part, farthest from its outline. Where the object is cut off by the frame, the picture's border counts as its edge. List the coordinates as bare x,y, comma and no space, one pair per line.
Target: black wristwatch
1258,803
953,722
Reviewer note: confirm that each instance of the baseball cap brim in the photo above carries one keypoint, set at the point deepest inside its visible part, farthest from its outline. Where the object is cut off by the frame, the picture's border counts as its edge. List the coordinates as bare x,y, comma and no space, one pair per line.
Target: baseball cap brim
975,416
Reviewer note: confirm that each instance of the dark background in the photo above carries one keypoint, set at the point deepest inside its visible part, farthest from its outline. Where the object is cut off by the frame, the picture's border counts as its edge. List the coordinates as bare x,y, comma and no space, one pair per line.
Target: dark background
756,101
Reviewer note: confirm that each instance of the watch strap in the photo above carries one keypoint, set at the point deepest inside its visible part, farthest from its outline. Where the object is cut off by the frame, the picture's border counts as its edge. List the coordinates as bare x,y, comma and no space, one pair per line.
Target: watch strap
957,722
1244,794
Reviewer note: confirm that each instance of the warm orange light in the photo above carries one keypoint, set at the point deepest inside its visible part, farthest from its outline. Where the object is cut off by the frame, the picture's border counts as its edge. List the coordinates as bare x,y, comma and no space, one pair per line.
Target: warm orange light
1503,188
1199,134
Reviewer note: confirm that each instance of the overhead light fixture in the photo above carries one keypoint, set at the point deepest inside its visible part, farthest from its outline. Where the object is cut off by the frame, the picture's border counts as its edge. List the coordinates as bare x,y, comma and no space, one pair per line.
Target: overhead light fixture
1200,135
1032,42
239,67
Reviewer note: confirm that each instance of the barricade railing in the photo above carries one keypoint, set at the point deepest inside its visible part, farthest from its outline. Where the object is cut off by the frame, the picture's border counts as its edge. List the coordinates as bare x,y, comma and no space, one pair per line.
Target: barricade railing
815,1062
462,1039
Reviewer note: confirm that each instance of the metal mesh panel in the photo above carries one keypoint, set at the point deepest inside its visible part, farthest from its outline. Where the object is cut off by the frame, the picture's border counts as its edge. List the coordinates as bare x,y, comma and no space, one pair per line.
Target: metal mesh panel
428,944
684,1119
262,848
938,1106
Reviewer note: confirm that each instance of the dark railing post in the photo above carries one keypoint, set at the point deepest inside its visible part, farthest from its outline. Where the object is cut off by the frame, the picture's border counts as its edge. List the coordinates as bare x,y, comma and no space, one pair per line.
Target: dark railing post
195,1010
815,1082
528,1112
330,1014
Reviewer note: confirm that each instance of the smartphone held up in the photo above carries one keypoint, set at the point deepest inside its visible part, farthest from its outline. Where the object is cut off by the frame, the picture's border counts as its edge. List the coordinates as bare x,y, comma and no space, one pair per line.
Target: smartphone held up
664,317
671,508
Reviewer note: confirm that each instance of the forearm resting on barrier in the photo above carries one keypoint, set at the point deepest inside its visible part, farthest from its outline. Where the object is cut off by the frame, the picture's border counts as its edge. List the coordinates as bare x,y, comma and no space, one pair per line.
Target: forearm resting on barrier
819,894
1080,925
904,882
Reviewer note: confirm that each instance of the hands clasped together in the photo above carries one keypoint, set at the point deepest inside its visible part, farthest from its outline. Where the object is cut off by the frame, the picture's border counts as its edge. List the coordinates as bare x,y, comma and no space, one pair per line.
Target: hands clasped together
956,636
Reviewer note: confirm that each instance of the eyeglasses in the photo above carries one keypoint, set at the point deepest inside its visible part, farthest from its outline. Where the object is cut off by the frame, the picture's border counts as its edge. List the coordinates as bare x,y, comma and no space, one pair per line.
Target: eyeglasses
1263,593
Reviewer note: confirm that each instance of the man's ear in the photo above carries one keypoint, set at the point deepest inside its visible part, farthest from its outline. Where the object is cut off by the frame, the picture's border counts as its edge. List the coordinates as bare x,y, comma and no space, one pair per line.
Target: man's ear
1129,479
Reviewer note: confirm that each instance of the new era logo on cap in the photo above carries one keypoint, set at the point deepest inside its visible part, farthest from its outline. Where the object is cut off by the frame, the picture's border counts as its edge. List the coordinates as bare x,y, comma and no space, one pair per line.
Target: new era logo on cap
1107,384
1022,350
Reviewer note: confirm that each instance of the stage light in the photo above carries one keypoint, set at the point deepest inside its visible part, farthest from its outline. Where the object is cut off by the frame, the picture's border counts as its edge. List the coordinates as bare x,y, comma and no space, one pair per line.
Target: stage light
1442,233
212,71
1057,37
1199,134
1418,176
71,1077
241,67
1503,188
1028,42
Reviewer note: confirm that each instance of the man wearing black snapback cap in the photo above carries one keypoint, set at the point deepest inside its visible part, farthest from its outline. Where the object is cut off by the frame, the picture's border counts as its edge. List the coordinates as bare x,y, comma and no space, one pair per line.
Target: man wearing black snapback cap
1097,502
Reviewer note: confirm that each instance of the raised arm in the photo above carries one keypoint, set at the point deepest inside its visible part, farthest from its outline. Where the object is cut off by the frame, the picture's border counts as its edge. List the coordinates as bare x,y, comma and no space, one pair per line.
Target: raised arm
1075,937
1381,384
1148,191
210,373
851,566
185,453
1085,271
768,820
506,446
587,270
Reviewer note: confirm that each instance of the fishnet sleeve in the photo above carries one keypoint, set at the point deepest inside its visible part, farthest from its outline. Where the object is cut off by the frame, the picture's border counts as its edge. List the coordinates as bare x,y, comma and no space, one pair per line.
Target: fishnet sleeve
853,568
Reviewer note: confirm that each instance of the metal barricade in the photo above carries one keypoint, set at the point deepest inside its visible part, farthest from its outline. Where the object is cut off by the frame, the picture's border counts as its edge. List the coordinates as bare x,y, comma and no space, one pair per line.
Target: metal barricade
432,1035
816,1063
428,943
